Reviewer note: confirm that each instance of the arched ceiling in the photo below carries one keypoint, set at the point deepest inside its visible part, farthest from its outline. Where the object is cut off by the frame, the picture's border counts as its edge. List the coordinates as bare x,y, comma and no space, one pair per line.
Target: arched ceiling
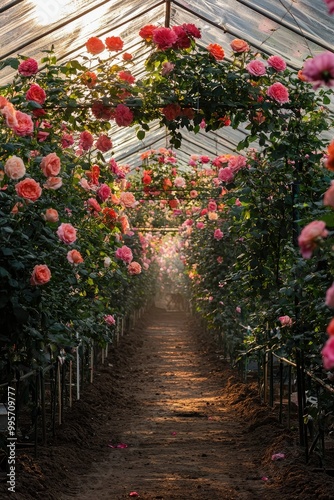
293,29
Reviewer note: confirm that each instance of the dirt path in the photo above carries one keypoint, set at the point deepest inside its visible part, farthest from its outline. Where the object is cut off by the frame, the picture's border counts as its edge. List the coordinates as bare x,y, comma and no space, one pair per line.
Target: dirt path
182,441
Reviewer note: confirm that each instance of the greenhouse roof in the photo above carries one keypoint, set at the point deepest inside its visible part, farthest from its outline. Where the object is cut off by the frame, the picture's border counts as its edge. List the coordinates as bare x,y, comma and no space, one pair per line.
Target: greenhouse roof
293,29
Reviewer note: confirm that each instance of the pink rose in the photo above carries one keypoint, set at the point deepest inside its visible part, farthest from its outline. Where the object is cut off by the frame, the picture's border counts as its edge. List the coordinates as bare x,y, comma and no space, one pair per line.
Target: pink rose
179,182
50,215
50,165
24,124
164,38
74,257
327,353
86,140
212,206
226,174
329,196
53,183
278,92
67,233
277,63
28,189
9,112
193,193
285,320
218,234
167,68
330,6
36,94
93,205
320,70
125,254
109,319
14,168
103,192
67,140
309,237
28,67
256,68
123,115
40,275
330,297
103,143
128,200
134,268
200,225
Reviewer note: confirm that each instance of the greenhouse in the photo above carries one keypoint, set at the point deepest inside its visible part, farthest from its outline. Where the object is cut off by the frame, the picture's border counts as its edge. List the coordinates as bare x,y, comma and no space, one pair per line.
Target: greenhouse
166,252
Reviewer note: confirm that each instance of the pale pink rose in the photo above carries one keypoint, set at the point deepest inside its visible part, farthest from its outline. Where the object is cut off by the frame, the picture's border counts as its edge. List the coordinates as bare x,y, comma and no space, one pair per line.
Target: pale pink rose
236,163
238,202
24,124
103,192
74,257
218,234
329,196
28,67
14,168
226,174
238,309
134,268
109,319
179,182
9,112
84,184
86,140
167,68
193,193
124,253
128,200
107,262
285,320
320,70
50,165
309,237
50,215
28,189
103,143
53,183
36,93
212,206
327,353
164,38
123,115
41,275
330,297
277,63
278,92
67,233
256,68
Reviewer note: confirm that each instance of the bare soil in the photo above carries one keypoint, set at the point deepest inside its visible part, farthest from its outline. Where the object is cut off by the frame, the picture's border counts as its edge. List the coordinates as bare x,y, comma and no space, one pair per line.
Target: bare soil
167,419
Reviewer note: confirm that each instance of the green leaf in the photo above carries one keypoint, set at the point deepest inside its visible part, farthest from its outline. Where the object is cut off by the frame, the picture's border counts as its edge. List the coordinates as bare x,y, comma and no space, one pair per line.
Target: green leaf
141,134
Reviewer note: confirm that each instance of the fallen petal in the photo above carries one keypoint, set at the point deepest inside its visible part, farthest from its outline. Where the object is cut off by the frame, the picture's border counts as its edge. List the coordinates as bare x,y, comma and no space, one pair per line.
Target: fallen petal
133,494
264,478
277,456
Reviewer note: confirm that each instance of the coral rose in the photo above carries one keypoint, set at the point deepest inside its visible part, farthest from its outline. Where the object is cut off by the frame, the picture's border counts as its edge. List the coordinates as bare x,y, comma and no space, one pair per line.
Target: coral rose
14,168
24,124
134,268
94,45
126,56
147,32
28,189
278,92
50,215
216,51
128,200
67,233
50,164
171,111
114,43
89,78
309,236
28,67
36,94
41,275
74,257
239,46
53,183
330,327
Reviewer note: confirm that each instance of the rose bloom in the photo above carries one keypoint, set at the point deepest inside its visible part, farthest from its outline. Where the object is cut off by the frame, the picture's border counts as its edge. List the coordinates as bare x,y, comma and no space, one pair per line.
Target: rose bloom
93,206
218,234
329,163
192,30
50,215
179,182
9,112
126,76
216,51
28,189
239,46
256,68
41,275
102,112
89,78
67,233
330,327
327,353
200,225
103,192
123,115
329,196
67,140
226,174
50,164
126,56
212,206
147,32
278,92
24,124
109,319
330,6
193,193
53,183
86,140
212,216
28,67
277,63
114,43
42,135
320,70
183,41
124,253
74,257
128,200
36,94
309,235
285,320
107,262
330,297
14,168
164,38
94,45
103,143
134,268
171,111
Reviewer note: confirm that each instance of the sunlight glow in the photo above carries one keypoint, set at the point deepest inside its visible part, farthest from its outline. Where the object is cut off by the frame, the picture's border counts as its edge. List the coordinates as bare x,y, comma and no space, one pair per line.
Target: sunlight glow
50,11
